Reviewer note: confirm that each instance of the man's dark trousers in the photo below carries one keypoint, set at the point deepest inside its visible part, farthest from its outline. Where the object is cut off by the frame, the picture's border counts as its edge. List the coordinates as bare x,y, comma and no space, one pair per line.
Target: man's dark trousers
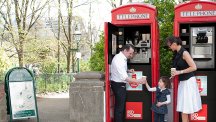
119,90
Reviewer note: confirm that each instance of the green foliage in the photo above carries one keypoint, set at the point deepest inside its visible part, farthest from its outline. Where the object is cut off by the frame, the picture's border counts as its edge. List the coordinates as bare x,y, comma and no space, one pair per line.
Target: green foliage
48,66
165,20
53,82
37,50
41,52
84,66
97,58
4,64
165,61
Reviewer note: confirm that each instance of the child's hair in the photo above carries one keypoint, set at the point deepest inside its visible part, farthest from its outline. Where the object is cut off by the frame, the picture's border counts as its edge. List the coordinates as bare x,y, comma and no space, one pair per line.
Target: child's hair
166,81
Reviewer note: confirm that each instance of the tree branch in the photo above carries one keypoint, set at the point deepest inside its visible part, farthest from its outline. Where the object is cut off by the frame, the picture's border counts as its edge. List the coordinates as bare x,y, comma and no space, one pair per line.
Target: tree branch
25,14
34,12
2,3
65,33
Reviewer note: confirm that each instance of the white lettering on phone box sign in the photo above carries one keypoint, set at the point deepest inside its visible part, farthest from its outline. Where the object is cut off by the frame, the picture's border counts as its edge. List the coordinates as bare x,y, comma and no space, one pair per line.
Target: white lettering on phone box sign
196,116
132,16
130,113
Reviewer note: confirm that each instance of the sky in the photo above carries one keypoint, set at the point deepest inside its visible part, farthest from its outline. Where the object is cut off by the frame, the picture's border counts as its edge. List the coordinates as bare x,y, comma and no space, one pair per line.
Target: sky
101,12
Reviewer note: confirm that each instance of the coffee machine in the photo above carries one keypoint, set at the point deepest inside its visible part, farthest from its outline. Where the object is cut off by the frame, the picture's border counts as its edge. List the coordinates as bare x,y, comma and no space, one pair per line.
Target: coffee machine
202,46
142,45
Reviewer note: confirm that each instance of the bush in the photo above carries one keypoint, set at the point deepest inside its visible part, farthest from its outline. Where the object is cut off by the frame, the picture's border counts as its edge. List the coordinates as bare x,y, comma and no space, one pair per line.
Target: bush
84,66
49,66
97,58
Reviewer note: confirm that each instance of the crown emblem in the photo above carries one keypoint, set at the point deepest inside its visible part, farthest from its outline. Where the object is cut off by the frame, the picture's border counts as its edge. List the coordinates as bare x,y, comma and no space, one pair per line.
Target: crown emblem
198,7
132,10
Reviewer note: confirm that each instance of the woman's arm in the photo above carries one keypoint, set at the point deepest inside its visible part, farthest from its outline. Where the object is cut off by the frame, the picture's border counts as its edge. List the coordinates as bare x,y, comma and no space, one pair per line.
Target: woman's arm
192,66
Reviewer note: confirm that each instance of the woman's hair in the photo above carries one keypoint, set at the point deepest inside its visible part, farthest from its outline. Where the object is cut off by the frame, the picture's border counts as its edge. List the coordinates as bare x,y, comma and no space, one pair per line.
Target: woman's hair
173,39
166,81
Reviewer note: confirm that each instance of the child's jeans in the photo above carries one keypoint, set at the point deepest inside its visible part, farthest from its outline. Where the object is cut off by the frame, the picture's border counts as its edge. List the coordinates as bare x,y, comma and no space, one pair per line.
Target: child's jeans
158,117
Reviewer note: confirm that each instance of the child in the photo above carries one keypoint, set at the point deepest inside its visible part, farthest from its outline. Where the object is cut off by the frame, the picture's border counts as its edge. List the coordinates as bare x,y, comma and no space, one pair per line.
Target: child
162,98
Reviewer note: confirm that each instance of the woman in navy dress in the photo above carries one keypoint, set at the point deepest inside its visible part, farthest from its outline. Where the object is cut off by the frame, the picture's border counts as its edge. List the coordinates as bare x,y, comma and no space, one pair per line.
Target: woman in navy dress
162,98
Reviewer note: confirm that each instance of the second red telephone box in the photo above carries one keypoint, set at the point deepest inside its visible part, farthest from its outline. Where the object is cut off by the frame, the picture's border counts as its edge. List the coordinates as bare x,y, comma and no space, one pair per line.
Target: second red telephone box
195,24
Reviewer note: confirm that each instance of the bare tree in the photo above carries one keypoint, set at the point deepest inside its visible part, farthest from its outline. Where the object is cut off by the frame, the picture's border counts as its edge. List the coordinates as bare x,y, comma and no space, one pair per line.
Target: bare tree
72,23
112,3
68,33
116,3
19,17
90,25
59,31
2,3
64,32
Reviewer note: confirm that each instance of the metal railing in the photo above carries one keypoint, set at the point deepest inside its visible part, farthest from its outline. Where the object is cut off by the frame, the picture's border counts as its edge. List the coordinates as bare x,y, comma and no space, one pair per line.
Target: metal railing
57,82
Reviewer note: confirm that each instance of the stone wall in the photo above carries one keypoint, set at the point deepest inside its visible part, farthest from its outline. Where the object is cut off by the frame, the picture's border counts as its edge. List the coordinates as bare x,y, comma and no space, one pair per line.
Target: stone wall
3,113
87,98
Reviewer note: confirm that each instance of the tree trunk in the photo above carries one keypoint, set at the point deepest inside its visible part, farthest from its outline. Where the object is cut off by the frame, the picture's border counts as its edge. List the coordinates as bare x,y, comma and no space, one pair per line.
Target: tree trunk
90,27
58,38
120,2
20,55
68,61
21,26
70,8
73,63
20,50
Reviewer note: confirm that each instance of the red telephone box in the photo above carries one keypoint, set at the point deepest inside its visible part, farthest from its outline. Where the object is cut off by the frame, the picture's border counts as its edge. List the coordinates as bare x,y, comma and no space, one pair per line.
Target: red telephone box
135,24
195,24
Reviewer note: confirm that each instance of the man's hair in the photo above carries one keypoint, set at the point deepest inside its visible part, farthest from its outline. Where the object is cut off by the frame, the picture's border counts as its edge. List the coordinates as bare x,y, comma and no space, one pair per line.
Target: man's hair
127,47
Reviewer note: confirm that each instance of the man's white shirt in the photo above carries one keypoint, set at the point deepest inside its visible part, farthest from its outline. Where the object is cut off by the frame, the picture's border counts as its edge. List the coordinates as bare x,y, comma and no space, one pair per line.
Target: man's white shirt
119,68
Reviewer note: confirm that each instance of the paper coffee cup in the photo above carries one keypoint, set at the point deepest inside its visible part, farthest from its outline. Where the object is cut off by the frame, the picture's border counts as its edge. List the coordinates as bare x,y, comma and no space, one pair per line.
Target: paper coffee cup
144,77
173,69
